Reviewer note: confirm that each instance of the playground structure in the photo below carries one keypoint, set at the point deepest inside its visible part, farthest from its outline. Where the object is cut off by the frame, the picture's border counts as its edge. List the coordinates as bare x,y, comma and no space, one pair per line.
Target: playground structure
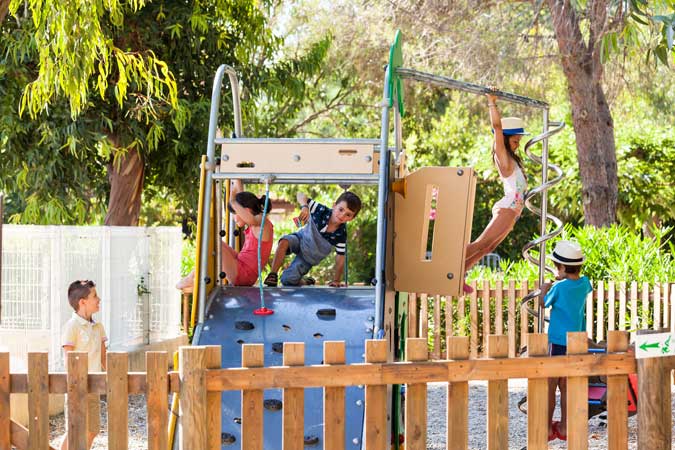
404,260
321,337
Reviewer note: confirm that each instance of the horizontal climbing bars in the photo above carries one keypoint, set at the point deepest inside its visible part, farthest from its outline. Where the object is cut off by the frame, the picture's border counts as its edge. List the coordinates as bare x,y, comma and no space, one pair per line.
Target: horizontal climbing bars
447,82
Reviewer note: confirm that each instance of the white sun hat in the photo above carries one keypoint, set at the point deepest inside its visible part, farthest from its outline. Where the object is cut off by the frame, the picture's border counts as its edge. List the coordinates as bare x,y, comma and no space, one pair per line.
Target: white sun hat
512,126
568,253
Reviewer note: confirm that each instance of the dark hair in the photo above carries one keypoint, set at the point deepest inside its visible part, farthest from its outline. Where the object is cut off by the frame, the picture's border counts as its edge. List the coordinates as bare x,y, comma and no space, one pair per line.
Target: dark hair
570,269
250,201
77,290
510,151
352,200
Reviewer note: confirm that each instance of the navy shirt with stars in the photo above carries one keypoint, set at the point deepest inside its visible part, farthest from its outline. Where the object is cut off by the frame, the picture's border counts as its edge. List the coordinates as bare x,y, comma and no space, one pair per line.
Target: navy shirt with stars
321,215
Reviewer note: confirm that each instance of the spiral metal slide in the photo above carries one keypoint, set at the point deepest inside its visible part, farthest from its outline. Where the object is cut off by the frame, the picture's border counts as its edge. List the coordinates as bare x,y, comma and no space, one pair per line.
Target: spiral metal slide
541,210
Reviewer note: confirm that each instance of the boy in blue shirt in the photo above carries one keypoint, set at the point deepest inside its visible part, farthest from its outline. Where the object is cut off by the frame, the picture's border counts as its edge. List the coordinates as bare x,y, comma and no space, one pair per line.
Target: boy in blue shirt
324,230
567,300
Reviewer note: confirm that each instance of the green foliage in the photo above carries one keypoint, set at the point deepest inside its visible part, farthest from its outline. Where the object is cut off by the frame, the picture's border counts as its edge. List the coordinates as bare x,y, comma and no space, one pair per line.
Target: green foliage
132,56
612,253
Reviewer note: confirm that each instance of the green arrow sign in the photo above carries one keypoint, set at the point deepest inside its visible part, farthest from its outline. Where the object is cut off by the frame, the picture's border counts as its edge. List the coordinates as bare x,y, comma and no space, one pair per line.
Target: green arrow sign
645,346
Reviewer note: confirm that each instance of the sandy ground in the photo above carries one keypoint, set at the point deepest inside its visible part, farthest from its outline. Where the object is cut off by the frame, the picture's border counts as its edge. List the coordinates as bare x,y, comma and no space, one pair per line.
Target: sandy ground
436,429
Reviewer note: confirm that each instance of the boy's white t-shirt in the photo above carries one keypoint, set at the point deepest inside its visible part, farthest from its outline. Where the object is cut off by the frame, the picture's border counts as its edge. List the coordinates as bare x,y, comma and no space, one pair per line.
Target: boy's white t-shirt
85,336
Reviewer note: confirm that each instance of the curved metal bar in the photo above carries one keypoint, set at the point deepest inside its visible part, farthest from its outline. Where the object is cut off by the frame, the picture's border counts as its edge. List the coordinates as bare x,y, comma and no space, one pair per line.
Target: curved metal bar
210,162
542,211
447,82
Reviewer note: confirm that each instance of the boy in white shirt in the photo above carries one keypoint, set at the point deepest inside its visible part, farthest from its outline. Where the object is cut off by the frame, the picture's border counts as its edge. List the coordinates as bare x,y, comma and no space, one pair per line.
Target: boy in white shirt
82,334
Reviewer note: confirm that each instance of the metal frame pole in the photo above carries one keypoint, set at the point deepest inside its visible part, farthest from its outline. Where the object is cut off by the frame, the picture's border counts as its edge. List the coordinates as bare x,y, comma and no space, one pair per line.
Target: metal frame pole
382,211
543,219
210,166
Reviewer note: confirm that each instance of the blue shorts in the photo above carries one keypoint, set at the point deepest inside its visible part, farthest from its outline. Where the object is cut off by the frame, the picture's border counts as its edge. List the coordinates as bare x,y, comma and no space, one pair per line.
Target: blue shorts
557,350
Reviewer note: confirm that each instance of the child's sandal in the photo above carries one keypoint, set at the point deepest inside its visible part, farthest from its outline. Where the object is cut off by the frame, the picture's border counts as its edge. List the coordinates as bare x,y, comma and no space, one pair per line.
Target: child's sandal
309,281
556,430
272,279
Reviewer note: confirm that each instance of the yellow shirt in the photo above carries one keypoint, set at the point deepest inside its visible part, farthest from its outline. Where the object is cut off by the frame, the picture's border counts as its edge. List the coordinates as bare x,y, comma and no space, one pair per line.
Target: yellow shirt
85,336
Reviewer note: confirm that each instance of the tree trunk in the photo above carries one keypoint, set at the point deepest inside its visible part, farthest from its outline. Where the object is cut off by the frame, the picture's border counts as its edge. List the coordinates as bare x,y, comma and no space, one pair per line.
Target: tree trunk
126,185
591,117
4,9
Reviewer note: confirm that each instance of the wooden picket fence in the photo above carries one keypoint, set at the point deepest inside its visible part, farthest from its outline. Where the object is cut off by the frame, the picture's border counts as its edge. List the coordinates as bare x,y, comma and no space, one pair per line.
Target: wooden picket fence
611,306
200,381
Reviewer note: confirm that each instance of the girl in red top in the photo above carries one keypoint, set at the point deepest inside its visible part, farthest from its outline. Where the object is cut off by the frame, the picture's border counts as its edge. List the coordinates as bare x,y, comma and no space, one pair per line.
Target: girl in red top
241,268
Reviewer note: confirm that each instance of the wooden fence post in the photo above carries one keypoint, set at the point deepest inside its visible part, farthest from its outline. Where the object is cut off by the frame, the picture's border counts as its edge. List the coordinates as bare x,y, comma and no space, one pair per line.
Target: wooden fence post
118,401
157,399
499,307
413,321
5,428
654,397
458,399
511,320
537,397
498,399
416,399
524,315
473,322
192,375
252,355
485,303
213,407
333,400
436,352
293,422
577,397
38,396
376,399
78,401
617,392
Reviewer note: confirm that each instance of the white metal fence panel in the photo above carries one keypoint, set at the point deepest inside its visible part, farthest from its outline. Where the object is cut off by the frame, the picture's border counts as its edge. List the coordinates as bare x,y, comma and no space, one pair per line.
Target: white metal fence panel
134,269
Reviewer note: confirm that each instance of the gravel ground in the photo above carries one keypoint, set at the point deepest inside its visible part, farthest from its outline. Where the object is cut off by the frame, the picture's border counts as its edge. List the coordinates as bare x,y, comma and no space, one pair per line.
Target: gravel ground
436,429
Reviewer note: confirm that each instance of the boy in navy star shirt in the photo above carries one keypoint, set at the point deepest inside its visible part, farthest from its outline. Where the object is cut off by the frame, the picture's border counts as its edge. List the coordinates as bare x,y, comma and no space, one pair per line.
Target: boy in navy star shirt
324,229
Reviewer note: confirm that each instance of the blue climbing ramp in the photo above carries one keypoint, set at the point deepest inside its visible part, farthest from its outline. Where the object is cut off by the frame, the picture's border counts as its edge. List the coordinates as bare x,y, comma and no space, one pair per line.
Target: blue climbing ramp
309,314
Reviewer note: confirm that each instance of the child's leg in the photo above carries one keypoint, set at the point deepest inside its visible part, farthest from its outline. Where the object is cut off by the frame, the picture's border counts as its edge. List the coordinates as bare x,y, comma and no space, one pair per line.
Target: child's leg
499,227
552,386
230,265
293,274
279,255
562,428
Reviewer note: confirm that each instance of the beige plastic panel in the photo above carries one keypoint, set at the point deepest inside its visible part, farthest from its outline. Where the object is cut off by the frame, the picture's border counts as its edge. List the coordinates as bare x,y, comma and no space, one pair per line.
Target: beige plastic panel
298,157
452,230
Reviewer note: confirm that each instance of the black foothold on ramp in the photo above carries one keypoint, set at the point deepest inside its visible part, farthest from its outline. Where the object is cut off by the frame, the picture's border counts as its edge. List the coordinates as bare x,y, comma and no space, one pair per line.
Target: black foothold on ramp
326,313
227,439
272,404
244,325
311,440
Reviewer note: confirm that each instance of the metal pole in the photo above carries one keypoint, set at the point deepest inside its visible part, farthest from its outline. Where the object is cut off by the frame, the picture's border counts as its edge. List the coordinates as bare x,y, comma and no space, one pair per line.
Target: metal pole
210,166
236,106
382,189
210,163
448,82
543,219
219,226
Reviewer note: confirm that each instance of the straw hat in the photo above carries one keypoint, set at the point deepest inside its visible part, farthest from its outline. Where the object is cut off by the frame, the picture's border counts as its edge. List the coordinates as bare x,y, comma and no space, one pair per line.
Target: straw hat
568,253
512,126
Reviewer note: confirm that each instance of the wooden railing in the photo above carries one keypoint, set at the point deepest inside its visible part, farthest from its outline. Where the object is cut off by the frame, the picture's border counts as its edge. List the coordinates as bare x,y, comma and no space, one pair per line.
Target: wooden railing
611,306
200,382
